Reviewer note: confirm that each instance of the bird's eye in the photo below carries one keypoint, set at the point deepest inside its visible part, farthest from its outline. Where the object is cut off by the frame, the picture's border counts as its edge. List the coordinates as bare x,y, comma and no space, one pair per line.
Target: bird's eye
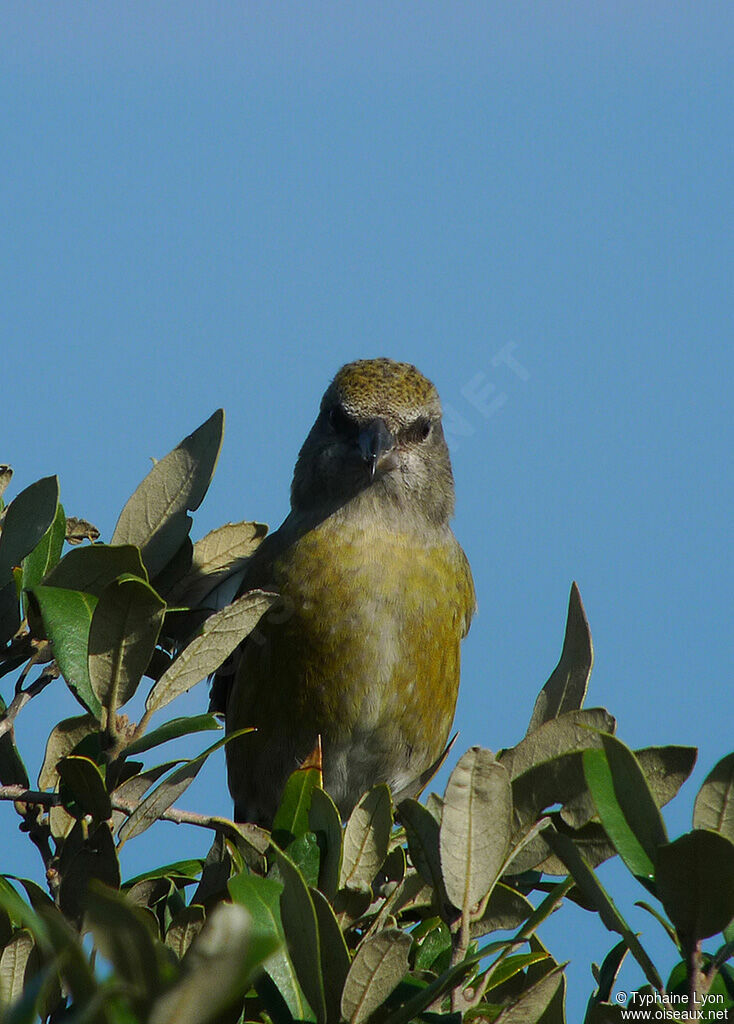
340,422
418,430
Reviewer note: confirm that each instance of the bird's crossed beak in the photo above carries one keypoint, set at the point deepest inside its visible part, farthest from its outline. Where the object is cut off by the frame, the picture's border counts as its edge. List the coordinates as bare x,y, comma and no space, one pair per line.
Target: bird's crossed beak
376,446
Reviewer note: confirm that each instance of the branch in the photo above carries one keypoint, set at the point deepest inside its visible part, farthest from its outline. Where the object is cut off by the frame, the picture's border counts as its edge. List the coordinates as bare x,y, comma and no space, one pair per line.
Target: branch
18,794
22,697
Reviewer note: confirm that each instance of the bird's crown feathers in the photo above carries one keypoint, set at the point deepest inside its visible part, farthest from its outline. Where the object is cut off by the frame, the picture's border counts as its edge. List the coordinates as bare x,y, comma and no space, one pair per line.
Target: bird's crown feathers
384,387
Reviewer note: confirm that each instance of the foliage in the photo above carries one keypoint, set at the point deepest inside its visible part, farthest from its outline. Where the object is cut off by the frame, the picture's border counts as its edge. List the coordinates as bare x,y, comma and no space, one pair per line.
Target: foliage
424,911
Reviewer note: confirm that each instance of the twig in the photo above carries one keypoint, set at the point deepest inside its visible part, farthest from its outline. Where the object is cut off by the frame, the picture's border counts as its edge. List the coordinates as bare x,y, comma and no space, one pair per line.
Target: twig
18,794
22,697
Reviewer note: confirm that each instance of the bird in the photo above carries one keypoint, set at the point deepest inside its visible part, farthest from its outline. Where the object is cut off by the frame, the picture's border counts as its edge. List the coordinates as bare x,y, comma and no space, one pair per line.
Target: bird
375,594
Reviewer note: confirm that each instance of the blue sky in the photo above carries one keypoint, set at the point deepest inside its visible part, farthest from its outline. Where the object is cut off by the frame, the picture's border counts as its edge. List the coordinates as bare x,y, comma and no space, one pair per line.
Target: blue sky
213,205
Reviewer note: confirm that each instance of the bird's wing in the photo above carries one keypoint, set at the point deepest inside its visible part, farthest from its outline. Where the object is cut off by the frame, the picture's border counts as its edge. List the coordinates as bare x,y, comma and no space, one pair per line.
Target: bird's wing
258,575
468,605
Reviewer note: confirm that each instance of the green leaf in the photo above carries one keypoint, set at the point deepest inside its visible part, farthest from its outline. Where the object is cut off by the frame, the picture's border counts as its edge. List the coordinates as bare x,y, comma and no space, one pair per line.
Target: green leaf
626,806
379,966
92,567
435,945
592,889
28,517
84,781
566,688
475,829
366,839
220,635
261,897
335,959
714,807
122,637
300,925
304,852
216,556
325,823
695,883
67,616
291,818
171,731
155,518
46,553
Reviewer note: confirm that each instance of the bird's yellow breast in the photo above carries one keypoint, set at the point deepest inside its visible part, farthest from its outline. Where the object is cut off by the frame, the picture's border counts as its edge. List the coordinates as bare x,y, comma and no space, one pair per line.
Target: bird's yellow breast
368,632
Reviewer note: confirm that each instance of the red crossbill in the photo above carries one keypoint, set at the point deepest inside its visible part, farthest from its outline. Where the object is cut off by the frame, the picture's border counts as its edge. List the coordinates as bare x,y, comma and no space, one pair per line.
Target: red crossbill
376,595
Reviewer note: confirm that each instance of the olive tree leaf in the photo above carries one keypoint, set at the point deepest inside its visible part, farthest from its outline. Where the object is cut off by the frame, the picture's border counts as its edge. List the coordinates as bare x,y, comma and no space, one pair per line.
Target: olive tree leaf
221,552
714,807
567,685
122,637
422,833
220,635
366,839
378,968
16,967
156,517
476,828
28,517
566,734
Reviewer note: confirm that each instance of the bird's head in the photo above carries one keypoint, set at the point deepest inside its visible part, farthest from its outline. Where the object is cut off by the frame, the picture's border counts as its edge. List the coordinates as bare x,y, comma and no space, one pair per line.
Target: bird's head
378,434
